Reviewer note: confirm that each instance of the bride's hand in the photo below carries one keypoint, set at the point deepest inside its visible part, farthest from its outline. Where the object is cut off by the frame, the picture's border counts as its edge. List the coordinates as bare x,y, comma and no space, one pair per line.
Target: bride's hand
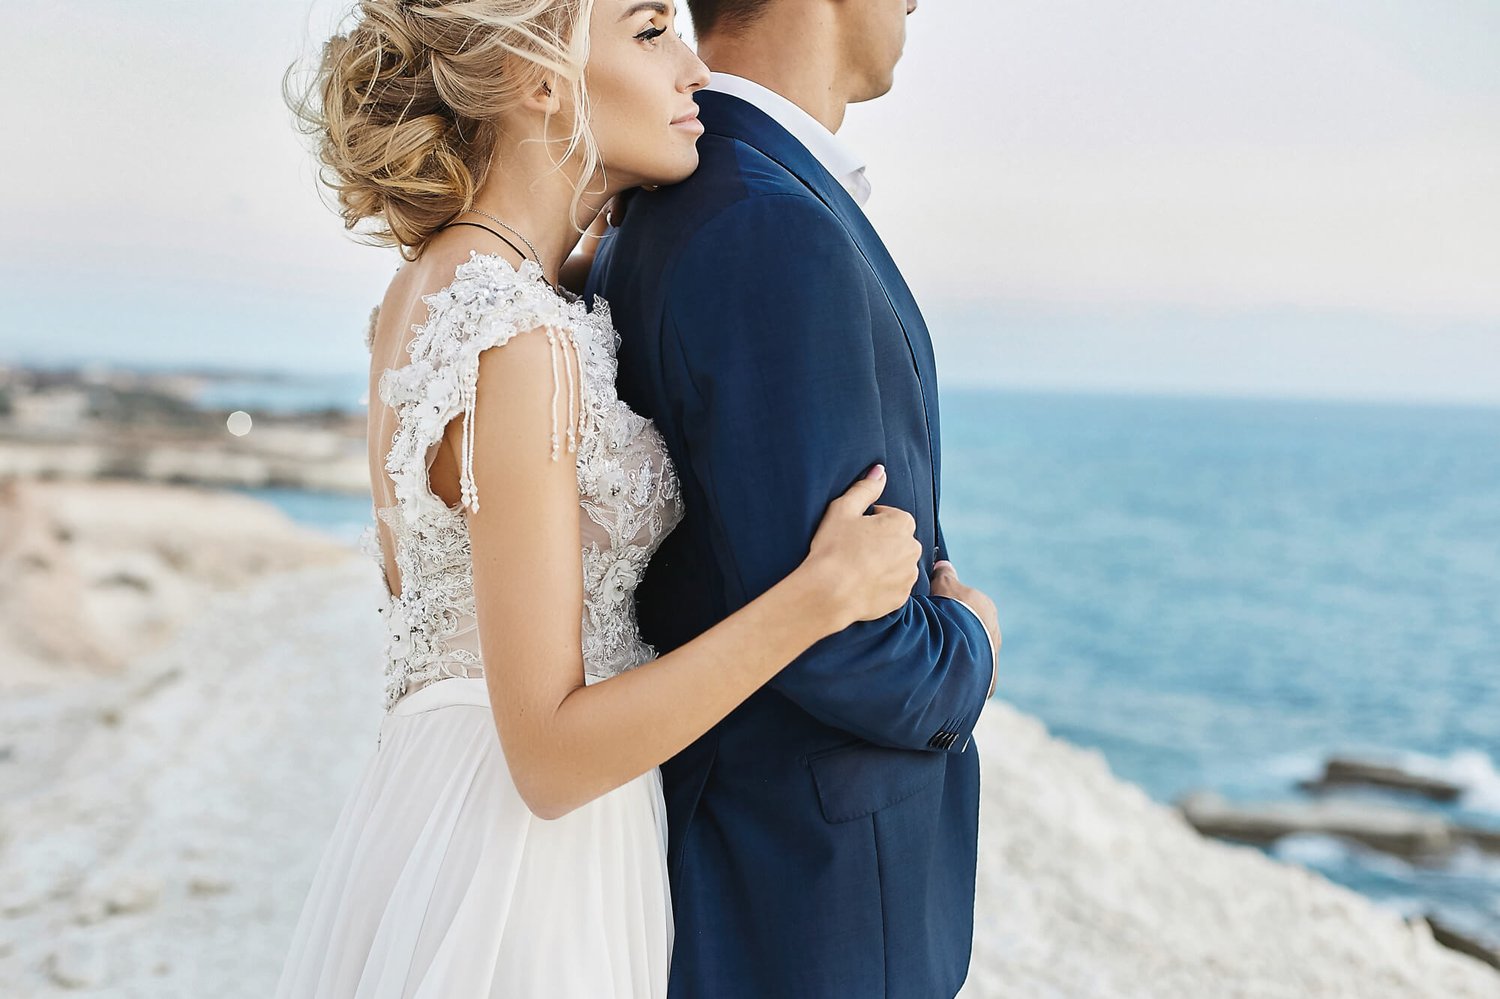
868,563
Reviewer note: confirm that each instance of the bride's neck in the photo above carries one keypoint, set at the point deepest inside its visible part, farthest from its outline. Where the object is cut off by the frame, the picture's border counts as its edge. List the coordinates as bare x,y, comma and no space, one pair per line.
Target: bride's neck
526,191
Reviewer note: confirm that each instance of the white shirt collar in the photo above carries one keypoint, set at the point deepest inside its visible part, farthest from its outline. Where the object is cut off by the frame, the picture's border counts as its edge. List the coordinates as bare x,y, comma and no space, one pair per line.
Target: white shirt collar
846,166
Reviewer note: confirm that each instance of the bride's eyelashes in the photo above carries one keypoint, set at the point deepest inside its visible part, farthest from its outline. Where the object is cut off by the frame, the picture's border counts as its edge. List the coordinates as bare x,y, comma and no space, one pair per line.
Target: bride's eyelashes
651,34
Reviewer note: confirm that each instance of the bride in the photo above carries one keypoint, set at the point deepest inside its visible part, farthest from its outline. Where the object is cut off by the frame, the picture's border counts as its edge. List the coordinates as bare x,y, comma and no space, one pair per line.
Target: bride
507,835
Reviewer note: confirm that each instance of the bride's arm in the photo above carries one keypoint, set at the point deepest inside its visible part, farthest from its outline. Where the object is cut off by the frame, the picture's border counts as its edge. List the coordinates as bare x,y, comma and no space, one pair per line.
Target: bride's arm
567,743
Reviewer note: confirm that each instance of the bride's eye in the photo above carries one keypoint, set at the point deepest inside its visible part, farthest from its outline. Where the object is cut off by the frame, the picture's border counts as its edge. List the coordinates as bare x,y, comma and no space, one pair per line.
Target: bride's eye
651,34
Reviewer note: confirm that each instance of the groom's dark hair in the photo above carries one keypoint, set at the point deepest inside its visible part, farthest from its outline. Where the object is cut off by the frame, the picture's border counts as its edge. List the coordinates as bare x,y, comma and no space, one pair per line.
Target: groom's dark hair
712,15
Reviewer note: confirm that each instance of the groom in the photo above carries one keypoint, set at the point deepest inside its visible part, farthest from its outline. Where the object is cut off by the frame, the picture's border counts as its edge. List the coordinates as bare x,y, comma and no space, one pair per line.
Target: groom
823,836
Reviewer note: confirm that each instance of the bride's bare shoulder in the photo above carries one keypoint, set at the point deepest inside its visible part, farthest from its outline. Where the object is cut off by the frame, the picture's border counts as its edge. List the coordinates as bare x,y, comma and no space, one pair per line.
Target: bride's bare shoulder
440,259
403,304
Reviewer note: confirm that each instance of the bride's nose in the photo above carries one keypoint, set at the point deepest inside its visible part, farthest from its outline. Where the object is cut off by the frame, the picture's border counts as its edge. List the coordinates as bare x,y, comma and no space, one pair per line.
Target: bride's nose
694,71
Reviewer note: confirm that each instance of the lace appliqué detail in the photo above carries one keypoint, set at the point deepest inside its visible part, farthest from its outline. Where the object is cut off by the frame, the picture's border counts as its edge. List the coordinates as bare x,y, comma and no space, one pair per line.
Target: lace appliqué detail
627,487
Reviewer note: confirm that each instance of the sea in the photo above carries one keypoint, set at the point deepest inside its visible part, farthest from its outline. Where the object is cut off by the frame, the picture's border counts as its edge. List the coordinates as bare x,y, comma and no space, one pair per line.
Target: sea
1219,594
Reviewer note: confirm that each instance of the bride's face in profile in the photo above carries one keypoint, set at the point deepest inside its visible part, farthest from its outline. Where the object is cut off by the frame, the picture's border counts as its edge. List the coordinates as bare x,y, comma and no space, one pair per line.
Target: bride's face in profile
641,77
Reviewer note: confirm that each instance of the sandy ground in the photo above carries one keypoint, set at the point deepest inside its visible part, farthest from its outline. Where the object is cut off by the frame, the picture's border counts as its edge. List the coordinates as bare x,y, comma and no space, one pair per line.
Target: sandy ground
160,846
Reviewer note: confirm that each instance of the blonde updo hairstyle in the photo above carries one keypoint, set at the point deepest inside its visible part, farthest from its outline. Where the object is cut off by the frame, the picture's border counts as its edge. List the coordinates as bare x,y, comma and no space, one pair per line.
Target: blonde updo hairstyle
404,103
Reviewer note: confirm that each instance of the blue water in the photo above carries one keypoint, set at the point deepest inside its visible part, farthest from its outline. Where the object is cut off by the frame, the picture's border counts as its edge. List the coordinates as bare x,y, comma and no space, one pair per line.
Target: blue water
1220,593
339,514
284,393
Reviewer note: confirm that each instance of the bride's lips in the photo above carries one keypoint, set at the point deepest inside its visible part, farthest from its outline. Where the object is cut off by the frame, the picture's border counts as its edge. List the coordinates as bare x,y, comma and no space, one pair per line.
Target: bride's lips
689,121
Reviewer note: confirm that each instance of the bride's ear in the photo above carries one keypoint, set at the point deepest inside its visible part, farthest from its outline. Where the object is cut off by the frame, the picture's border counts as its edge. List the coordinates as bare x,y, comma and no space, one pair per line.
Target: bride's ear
543,99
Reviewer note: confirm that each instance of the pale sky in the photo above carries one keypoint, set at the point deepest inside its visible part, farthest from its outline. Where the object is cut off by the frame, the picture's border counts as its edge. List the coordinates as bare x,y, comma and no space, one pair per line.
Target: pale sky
1248,196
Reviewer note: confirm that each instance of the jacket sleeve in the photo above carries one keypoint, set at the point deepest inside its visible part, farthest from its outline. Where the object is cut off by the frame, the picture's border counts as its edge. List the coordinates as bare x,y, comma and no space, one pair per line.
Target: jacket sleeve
767,335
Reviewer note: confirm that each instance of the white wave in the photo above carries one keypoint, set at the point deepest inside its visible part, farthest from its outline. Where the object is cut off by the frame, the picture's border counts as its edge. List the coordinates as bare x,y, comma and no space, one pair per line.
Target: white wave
1304,764
1469,861
1472,769
1405,906
1315,850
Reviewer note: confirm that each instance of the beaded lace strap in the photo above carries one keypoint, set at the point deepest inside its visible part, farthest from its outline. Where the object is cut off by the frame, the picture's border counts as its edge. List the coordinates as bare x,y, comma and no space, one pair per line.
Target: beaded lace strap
558,341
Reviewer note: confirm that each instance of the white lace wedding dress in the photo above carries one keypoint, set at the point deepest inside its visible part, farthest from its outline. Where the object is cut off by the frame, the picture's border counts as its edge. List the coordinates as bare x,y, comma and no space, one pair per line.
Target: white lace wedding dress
438,882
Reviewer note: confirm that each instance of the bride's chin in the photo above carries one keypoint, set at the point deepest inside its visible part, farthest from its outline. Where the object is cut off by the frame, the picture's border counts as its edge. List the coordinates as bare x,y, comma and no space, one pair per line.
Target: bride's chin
676,173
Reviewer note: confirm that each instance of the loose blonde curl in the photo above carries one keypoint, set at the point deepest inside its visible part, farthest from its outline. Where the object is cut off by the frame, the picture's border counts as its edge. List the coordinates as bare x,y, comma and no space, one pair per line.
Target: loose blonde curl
403,104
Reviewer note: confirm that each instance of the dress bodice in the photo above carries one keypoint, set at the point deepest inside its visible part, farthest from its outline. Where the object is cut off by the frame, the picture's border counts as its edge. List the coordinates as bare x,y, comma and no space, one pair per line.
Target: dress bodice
627,488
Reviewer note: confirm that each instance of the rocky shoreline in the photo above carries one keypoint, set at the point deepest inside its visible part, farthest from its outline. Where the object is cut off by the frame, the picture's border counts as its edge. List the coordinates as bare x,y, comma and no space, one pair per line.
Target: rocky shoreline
91,425
330,459
161,838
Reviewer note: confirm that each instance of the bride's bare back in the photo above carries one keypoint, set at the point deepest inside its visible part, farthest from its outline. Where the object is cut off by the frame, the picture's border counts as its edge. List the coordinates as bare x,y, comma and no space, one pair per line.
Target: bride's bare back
389,337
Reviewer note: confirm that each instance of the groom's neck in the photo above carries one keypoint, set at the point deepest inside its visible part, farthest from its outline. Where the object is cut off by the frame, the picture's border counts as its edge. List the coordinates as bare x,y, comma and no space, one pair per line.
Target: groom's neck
801,62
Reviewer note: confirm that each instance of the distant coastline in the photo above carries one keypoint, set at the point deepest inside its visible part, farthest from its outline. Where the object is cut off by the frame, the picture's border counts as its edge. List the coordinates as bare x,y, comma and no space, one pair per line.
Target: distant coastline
272,390
176,428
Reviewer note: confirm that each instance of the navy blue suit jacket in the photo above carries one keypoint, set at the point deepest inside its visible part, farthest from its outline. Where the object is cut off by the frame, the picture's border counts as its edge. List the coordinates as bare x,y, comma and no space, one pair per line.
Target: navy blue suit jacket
823,836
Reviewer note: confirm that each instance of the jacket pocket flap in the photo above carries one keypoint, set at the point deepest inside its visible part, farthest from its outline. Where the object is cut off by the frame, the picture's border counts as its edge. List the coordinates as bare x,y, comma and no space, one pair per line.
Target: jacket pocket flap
853,781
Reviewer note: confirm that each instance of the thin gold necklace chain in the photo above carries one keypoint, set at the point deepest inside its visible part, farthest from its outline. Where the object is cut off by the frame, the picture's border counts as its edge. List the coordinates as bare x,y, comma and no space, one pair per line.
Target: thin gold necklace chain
534,255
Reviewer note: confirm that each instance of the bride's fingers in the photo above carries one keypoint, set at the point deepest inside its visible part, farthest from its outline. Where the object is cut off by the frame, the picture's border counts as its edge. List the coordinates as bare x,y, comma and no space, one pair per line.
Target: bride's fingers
862,493
904,520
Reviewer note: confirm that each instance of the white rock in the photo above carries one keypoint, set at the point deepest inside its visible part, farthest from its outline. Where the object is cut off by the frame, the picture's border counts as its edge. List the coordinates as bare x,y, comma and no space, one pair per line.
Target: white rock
77,963
209,884
131,891
1088,888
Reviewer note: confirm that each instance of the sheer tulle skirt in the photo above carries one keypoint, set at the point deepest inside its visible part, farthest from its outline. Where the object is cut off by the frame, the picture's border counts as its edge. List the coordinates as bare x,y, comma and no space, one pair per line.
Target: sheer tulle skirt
439,883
